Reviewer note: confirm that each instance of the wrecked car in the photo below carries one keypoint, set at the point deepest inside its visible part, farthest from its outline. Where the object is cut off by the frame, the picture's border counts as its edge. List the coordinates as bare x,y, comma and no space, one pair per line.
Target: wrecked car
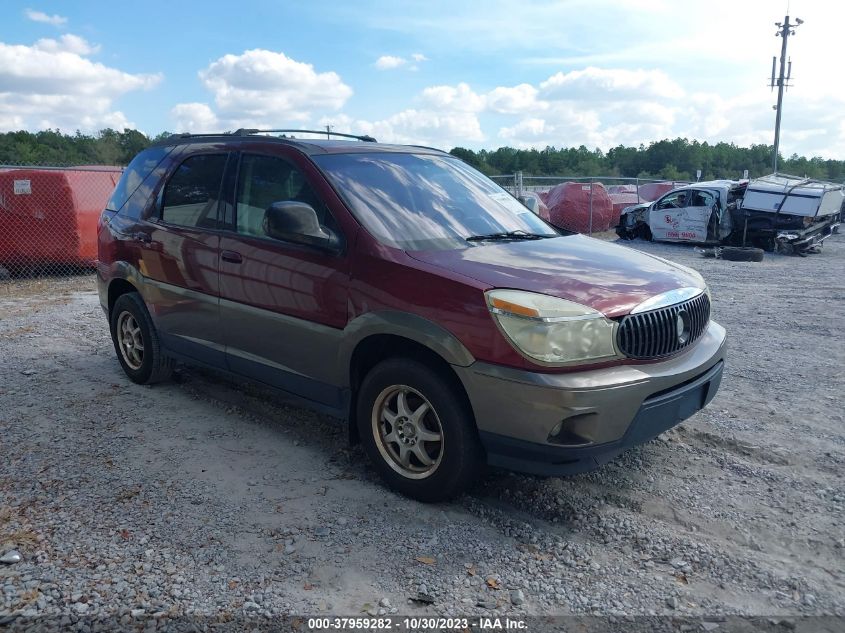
776,213
696,213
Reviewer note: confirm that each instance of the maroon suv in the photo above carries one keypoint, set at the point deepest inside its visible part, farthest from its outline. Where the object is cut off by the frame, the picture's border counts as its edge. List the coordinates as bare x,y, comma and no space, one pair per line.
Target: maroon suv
402,291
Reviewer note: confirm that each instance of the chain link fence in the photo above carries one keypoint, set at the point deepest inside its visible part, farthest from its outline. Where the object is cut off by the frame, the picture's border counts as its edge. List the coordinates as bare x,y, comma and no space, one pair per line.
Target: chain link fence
48,219
587,204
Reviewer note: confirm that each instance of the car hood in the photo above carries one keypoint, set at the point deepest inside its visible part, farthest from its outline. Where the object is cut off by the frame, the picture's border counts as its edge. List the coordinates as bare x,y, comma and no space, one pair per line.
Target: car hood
607,277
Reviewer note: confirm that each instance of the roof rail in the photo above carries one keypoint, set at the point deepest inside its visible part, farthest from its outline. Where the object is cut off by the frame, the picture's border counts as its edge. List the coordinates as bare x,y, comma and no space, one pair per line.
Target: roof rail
248,131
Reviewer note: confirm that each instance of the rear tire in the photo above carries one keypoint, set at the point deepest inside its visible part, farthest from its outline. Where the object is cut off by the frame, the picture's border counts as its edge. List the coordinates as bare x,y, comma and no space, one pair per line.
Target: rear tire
741,254
418,430
136,341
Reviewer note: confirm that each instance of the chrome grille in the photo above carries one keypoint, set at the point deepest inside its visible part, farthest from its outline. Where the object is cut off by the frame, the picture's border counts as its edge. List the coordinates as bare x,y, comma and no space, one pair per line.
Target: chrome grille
654,334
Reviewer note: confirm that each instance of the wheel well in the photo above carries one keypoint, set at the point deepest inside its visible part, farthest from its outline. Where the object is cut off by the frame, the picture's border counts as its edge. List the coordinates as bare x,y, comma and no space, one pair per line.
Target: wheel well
374,349
116,288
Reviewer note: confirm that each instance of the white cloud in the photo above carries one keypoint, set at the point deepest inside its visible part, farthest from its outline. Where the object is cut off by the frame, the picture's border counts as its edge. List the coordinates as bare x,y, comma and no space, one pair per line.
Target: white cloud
40,16
67,43
389,62
570,127
196,117
417,127
608,108
600,83
447,116
528,129
262,88
515,99
460,98
392,62
53,85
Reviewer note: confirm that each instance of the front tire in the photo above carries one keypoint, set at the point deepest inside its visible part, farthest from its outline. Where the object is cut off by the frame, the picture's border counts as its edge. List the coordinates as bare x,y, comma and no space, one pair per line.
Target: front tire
136,341
418,430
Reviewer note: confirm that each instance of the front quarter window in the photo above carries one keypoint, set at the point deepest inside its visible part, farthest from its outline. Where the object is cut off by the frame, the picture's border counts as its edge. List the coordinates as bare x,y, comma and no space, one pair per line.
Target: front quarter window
424,201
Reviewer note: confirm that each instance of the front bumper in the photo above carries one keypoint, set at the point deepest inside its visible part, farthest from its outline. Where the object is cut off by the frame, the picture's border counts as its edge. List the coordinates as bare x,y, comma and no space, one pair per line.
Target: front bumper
603,412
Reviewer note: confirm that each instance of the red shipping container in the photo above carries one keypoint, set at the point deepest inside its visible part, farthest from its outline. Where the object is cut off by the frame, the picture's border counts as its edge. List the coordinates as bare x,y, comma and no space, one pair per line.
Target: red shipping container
50,216
569,207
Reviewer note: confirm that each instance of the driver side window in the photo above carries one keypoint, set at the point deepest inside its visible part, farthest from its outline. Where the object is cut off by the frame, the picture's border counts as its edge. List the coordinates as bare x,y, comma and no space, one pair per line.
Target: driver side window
264,180
673,201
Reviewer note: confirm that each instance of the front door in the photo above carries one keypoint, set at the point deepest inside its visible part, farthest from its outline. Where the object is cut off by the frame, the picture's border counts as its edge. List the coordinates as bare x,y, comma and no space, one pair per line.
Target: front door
283,304
682,216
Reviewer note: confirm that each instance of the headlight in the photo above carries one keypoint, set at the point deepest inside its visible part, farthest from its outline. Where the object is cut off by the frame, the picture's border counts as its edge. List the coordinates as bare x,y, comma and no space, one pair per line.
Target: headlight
552,330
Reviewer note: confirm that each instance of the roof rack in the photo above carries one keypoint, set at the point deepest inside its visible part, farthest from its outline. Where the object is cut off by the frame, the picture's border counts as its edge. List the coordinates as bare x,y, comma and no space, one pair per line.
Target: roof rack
249,131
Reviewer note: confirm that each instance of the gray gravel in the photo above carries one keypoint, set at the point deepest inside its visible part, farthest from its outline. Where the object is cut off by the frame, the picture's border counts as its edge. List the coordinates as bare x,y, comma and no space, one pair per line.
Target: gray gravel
202,496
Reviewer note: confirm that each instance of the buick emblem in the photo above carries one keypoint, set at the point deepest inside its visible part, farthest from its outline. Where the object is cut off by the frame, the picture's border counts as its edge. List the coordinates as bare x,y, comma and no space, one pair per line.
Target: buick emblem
681,327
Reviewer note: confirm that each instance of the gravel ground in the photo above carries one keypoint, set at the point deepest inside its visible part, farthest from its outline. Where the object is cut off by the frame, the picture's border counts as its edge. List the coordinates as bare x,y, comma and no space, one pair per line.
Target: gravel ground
203,496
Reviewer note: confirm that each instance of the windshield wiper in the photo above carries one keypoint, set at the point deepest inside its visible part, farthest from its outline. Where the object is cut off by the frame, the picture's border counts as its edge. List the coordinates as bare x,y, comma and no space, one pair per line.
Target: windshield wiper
507,235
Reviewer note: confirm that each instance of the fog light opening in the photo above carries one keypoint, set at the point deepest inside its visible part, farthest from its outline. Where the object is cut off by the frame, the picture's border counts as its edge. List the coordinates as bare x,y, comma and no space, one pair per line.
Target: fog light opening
576,430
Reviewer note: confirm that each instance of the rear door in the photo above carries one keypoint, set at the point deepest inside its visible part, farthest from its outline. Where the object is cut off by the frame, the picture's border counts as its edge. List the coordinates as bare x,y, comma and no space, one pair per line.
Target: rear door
283,304
181,254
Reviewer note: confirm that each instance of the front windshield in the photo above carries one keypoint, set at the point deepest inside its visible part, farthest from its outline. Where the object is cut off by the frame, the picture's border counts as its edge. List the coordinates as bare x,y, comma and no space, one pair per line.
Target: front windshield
424,201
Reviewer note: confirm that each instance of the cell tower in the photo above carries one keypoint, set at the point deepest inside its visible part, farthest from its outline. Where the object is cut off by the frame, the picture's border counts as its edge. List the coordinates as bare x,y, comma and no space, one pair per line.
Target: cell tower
785,29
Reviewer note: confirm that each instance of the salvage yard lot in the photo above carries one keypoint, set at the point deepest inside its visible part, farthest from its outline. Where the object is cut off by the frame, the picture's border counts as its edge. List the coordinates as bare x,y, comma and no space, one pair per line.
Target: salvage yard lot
204,496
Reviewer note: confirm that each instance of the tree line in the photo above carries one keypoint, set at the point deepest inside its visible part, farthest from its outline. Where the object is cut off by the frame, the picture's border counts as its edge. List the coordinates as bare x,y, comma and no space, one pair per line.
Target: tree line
676,159
51,147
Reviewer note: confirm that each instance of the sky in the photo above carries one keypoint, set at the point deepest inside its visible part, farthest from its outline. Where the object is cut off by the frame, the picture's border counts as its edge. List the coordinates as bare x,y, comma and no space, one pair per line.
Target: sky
598,73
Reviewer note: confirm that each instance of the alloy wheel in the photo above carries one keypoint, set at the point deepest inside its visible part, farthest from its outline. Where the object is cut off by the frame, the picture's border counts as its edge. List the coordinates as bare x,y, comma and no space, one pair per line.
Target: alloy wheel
407,431
130,339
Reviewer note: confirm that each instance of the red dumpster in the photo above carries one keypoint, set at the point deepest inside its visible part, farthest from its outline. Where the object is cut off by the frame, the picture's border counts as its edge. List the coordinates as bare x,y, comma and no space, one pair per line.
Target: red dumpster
50,216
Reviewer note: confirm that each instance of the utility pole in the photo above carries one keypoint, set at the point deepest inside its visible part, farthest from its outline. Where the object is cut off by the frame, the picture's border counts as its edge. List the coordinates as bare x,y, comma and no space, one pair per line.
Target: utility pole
329,130
785,29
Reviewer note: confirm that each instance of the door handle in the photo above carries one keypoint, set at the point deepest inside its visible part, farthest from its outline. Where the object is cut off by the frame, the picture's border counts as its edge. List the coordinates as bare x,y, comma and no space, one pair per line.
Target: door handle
231,256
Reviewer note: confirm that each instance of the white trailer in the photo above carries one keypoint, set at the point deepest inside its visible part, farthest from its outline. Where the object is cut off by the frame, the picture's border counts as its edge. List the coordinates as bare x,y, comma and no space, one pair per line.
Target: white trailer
790,213
791,195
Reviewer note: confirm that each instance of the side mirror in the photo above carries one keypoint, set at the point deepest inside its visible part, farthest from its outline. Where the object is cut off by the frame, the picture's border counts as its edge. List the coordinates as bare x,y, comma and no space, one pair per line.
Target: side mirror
293,221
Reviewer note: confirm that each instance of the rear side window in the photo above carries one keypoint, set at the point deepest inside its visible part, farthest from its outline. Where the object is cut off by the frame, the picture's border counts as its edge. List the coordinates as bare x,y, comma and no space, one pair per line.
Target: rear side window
702,199
140,167
193,191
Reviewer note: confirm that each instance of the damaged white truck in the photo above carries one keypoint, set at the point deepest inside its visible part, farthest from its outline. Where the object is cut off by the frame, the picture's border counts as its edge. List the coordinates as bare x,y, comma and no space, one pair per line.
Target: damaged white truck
778,213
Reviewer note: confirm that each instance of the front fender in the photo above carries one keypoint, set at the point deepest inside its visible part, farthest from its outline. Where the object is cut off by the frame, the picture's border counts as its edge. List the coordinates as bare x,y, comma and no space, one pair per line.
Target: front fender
405,325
